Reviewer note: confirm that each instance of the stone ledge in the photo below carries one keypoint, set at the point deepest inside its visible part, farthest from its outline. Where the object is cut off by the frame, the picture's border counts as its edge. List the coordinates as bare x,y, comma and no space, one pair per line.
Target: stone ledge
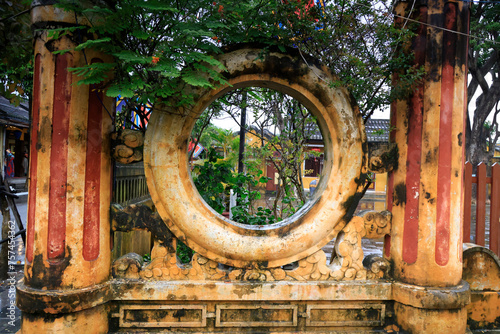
129,290
66,301
432,298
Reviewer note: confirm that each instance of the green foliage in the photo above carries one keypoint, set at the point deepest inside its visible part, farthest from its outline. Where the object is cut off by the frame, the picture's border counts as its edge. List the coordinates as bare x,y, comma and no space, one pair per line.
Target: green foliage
162,45
360,43
184,253
484,24
380,132
16,51
214,180
292,127
281,127
211,180
244,185
93,73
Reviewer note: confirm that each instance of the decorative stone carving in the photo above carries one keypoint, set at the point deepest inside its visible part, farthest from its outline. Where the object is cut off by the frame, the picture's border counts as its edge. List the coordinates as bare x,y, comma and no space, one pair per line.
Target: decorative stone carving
347,260
376,265
165,266
347,263
384,159
127,266
127,146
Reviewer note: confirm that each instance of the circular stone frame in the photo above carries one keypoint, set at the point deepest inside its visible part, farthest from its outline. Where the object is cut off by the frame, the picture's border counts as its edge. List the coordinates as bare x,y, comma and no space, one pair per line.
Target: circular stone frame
266,246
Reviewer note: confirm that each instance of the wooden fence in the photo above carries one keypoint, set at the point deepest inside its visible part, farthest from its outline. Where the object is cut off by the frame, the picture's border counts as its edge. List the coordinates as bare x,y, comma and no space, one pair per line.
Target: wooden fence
486,188
129,187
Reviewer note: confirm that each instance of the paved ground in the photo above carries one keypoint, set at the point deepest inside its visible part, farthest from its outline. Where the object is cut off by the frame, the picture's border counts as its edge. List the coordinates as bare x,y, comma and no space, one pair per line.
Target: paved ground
10,316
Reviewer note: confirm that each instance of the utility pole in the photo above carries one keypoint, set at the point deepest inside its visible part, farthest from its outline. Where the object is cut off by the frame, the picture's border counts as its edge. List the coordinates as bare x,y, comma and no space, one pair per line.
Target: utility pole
243,121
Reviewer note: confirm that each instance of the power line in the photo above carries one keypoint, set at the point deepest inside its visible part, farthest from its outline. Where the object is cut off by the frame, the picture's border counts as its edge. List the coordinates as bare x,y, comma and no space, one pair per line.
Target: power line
481,1
432,25
447,30
409,14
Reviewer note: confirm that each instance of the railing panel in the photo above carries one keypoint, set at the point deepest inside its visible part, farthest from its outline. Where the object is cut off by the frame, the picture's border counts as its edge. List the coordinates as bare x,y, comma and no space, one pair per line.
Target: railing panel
130,188
130,184
467,201
481,205
495,209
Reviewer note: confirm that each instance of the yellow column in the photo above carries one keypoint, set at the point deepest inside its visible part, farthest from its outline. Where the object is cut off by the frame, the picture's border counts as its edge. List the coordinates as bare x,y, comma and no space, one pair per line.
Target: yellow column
68,233
425,192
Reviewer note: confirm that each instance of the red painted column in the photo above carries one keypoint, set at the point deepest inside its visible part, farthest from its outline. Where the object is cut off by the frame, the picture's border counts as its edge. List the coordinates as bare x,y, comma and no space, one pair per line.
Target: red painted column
68,232
426,190
56,232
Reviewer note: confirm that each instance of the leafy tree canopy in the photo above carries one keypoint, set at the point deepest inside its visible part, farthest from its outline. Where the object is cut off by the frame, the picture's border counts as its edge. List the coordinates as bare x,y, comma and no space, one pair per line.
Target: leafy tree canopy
160,45
16,67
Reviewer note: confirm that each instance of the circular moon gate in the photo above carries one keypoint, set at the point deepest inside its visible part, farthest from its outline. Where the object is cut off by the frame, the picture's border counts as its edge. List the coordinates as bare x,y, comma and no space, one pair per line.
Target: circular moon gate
319,221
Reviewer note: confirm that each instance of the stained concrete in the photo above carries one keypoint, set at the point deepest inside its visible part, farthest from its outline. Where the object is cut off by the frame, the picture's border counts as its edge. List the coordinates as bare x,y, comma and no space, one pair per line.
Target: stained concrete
10,318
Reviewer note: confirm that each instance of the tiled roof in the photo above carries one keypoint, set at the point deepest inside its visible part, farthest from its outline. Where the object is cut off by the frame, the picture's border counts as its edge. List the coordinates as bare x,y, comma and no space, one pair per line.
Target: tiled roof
377,130
12,115
313,131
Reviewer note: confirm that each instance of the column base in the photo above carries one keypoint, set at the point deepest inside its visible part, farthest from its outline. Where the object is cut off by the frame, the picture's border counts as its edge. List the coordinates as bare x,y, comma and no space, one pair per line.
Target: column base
421,321
431,310
94,320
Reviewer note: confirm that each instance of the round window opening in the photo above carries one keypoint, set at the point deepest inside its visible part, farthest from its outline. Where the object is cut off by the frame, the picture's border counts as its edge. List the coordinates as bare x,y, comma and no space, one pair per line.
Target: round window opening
256,156
172,170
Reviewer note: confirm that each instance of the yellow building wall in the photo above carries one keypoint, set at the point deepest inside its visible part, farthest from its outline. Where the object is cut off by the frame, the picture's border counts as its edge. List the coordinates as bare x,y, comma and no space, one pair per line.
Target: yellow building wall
381,182
252,140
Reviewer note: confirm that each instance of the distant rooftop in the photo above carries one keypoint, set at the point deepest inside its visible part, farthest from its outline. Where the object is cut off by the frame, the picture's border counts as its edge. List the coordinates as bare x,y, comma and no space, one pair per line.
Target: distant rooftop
12,115
377,130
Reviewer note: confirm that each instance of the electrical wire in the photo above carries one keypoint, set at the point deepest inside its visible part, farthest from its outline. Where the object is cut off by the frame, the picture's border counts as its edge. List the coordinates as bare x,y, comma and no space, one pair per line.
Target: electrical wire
493,2
432,25
449,30
409,14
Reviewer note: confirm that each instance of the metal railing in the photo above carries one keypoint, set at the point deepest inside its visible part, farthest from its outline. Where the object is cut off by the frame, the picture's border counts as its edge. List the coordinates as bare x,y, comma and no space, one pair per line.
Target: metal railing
130,185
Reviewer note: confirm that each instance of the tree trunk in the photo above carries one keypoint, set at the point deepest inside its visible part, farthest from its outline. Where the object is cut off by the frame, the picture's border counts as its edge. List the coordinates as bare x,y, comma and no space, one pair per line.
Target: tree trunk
484,104
243,122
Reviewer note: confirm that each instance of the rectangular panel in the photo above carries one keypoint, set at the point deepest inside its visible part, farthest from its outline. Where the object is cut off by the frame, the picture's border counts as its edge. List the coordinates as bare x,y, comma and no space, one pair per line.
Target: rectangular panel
255,315
345,315
163,316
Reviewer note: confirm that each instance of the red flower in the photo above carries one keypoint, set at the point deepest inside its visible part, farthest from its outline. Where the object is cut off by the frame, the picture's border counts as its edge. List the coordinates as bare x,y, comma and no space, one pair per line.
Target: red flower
155,60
